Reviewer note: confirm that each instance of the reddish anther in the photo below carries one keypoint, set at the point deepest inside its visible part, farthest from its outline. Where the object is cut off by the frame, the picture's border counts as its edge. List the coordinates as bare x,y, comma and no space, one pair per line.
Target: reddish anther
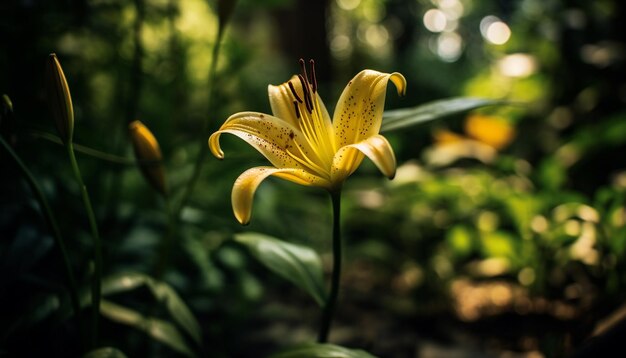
293,91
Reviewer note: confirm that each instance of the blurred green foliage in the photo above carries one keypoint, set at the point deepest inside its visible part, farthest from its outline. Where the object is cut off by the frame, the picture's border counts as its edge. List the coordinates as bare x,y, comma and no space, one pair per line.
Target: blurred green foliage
516,248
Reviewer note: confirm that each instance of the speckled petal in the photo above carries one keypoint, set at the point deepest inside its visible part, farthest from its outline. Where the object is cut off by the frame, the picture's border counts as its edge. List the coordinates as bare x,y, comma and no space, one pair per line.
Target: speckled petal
247,183
348,158
359,110
271,136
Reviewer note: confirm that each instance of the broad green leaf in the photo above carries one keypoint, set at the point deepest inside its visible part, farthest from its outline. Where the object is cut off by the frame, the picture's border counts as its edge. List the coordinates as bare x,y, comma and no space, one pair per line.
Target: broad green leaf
406,117
106,352
298,264
163,293
322,351
160,330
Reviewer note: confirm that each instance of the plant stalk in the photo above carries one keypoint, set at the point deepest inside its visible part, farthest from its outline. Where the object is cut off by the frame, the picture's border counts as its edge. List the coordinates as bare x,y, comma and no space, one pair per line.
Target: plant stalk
168,243
97,277
53,226
197,169
329,308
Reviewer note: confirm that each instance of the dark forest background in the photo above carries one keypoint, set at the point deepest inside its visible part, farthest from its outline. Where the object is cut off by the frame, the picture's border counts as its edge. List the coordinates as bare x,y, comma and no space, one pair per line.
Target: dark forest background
502,235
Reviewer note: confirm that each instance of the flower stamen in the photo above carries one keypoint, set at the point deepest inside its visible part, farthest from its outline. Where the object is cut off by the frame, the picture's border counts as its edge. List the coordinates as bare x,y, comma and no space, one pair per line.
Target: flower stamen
303,66
307,94
295,105
313,78
293,91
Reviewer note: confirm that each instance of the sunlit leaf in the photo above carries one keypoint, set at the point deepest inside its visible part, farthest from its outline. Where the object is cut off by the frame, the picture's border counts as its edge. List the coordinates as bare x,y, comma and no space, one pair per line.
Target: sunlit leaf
164,294
160,330
406,117
552,173
106,352
322,351
499,244
522,209
460,240
298,264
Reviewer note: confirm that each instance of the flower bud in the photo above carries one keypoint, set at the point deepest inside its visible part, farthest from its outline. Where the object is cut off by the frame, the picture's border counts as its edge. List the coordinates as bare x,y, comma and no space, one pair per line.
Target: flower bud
59,98
148,154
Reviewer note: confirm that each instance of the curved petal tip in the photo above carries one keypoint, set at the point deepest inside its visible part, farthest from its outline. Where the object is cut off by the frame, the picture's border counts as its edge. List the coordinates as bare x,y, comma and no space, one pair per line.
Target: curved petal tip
214,145
400,82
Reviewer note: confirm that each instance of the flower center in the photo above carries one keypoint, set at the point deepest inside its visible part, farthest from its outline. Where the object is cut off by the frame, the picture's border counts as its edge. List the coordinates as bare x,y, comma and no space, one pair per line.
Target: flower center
314,126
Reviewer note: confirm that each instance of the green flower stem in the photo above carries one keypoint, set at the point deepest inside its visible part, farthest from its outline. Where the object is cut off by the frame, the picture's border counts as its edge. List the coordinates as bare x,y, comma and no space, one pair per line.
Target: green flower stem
54,227
204,149
329,308
97,277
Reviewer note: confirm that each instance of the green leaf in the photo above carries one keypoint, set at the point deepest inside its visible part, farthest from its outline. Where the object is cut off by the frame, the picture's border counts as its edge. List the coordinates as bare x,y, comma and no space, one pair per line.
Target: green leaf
522,209
407,117
160,330
460,240
298,264
322,351
106,352
499,244
163,293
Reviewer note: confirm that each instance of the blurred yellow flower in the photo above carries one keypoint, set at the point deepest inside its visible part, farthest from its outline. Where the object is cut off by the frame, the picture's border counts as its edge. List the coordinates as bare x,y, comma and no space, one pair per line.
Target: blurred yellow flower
302,143
59,98
148,153
491,130
485,135
444,136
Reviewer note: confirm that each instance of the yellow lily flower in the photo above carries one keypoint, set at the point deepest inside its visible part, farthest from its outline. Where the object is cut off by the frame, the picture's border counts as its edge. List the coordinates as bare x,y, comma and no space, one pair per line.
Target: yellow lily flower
302,143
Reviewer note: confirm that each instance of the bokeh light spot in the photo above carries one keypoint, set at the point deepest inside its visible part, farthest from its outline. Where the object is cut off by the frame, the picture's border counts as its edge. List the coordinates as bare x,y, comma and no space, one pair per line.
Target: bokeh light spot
348,4
517,65
435,20
449,46
498,33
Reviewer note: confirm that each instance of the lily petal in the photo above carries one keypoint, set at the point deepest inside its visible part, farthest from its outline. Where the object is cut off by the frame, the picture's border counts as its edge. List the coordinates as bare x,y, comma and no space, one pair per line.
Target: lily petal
348,158
281,101
360,108
274,138
247,183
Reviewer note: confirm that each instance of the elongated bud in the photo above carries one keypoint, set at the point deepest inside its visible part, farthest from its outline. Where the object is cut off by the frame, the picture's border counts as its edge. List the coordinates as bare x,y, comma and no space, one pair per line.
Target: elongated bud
59,98
148,153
